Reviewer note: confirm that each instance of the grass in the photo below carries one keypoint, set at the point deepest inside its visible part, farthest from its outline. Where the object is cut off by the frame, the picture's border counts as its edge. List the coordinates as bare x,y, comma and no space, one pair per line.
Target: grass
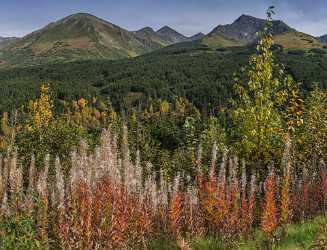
297,40
220,41
297,236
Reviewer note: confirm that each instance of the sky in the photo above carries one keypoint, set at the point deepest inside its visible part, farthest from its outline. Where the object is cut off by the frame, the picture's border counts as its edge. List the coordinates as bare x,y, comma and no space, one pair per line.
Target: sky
20,17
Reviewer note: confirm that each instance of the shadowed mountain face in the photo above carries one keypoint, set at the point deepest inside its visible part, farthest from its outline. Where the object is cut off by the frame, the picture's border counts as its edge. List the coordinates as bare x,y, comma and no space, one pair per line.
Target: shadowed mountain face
323,39
197,36
245,29
170,35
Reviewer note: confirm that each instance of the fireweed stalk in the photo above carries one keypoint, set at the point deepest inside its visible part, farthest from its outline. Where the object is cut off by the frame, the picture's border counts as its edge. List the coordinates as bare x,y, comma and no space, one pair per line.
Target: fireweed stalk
110,201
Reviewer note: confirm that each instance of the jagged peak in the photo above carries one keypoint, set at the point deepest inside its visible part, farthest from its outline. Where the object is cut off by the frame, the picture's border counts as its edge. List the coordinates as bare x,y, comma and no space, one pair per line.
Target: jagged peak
146,29
246,18
197,36
166,28
171,35
250,19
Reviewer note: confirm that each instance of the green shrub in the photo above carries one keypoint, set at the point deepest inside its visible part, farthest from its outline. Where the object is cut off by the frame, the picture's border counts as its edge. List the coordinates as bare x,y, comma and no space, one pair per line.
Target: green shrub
18,232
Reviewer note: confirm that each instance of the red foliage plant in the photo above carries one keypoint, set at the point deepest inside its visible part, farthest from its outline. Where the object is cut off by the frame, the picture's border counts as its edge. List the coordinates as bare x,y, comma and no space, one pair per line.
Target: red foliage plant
176,213
269,221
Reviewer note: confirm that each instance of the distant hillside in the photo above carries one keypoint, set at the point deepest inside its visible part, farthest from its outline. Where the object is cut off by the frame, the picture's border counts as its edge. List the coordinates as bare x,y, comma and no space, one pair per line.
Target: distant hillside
148,34
245,30
171,35
220,41
5,41
79,36
166,36
297,40
197,36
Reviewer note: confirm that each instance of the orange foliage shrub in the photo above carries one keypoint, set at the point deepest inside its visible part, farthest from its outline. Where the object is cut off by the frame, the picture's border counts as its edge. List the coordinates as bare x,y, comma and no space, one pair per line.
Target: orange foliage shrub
269,221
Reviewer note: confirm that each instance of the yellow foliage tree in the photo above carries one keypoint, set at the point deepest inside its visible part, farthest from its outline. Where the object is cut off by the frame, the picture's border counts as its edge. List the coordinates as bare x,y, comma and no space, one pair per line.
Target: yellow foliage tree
258,112
8,132
164,107
40,110
314,131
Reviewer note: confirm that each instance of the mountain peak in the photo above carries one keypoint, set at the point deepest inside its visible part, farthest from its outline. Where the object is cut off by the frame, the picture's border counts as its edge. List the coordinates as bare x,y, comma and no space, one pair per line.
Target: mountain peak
146,29
251,20
197,36
82,17
148,35
171,35
82,14
247,18
81,35
245,28
165,28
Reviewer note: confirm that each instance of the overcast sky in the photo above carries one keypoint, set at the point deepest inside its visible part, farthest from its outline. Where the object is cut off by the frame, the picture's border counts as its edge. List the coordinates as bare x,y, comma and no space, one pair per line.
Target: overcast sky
20,17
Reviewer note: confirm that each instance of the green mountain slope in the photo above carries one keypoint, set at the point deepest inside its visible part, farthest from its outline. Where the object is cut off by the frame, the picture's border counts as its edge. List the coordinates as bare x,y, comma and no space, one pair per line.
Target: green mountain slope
215,40
297,40
6,41
148,34
79,36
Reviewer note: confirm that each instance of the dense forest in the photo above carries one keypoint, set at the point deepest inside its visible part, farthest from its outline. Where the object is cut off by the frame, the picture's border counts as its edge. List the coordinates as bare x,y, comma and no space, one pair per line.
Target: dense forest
203,75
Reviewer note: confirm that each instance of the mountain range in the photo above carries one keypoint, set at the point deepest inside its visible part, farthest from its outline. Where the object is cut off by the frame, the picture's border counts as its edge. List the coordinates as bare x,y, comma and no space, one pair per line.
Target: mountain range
84,36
